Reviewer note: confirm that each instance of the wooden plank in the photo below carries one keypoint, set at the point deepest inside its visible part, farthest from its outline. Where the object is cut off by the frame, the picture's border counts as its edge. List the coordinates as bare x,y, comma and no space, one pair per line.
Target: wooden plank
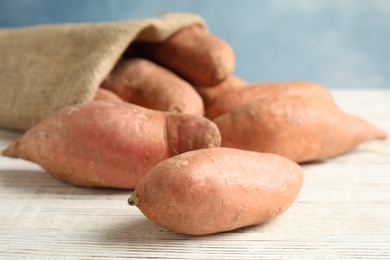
342,211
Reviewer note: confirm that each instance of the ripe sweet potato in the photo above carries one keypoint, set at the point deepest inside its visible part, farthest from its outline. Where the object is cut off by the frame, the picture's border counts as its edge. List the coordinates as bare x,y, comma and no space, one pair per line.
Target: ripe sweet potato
236,98
294,127
147,84
217,189
110,144
107,95
193,53
212,94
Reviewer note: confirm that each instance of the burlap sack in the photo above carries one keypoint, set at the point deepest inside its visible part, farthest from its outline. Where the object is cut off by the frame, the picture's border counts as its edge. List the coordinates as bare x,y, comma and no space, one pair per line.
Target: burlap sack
44,68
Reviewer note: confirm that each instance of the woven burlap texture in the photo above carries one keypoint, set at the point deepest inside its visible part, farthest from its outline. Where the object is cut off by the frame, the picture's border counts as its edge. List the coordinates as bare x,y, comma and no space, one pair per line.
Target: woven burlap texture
47,67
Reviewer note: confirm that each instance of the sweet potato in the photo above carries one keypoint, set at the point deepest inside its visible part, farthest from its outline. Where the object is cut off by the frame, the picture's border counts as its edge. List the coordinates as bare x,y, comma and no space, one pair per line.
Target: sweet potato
110,144
212,94
107,95
193,53
294,127
217,189
233,99
147,84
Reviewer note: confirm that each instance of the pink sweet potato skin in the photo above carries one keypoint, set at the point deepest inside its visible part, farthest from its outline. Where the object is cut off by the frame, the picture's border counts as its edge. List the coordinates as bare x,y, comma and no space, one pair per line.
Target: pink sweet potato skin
147,84
107,95
194,54
212,94
294,127
217,189
236,98
110,144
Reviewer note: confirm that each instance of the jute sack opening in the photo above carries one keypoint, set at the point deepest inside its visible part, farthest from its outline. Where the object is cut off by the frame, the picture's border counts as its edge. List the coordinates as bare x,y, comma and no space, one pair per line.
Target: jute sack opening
45,68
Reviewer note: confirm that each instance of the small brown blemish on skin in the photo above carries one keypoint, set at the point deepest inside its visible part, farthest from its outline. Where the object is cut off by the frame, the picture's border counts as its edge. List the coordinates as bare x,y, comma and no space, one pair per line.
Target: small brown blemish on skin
238,213
175,109
96,156
175,151
274,213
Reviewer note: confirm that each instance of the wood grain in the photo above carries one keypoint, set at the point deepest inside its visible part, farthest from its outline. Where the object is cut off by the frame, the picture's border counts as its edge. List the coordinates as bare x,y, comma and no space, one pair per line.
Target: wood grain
342,212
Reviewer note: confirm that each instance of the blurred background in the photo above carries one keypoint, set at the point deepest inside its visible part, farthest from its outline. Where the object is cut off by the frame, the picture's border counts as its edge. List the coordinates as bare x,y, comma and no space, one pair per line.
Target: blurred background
337,43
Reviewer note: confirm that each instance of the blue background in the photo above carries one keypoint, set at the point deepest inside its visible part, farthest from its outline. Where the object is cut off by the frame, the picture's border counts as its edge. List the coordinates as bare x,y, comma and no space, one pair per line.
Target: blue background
337,43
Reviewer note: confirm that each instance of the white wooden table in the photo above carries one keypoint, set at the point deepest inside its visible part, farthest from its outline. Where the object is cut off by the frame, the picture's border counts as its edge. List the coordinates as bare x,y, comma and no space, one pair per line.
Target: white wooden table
342,212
